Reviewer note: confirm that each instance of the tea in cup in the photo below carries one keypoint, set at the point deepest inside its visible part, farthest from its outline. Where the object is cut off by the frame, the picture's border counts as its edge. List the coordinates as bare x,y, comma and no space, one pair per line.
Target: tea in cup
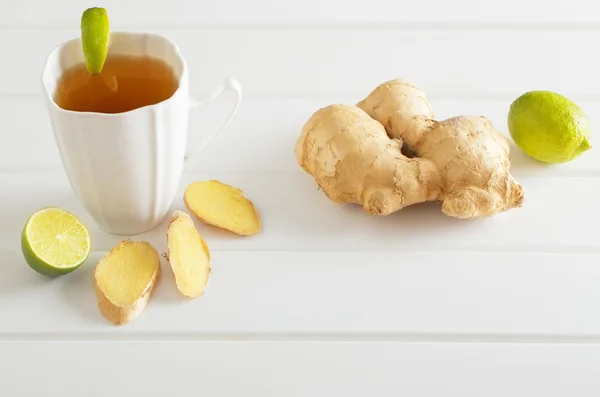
122,135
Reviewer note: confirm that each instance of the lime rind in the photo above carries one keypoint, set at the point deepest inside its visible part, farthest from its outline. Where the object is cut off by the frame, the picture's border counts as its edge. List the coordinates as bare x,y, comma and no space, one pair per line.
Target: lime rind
36,260
549,127
95,38
585,145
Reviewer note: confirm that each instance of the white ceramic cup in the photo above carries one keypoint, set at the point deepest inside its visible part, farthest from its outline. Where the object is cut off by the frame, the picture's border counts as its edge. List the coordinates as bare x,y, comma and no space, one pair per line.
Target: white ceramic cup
126,167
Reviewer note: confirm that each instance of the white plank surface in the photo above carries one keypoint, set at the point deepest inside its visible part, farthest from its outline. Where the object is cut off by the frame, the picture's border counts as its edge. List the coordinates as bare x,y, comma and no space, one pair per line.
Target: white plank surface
303,369
298,369
327,300
321,268
261,136
328,296
300,62
284,13
297,217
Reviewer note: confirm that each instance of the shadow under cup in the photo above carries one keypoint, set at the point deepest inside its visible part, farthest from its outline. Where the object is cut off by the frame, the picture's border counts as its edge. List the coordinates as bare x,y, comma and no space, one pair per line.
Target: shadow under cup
123,167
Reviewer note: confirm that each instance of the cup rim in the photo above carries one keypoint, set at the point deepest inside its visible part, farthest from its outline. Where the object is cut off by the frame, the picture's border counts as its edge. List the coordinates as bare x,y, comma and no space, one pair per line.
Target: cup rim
177,51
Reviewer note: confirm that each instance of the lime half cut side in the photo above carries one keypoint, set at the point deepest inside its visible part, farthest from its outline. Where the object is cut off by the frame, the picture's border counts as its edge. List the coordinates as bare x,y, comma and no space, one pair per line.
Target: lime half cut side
55,242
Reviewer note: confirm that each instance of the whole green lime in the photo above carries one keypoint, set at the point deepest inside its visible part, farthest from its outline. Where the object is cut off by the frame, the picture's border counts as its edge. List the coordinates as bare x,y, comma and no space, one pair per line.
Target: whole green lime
549,127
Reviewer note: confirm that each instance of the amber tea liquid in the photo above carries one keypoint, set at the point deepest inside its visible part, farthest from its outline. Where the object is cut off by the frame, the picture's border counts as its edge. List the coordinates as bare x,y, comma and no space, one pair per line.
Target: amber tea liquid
127,82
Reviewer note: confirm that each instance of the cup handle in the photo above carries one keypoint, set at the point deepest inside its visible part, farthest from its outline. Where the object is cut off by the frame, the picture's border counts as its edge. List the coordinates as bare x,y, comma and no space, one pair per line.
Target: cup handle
227,85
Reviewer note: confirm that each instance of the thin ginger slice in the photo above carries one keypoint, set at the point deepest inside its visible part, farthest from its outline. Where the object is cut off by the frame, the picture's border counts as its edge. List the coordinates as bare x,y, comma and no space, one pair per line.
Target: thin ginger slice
124,280
223,206
188,256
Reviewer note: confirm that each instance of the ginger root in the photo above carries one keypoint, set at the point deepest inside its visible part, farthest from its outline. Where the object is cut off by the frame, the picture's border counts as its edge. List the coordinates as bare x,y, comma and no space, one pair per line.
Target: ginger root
124,280
388,152
223,206
188,255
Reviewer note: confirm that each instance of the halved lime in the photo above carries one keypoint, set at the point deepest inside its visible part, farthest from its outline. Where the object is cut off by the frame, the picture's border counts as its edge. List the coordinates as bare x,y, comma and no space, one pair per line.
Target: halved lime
95,37
55,242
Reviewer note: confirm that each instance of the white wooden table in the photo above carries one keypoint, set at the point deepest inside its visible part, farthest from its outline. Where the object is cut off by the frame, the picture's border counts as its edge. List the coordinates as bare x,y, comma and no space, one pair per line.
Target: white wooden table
327,301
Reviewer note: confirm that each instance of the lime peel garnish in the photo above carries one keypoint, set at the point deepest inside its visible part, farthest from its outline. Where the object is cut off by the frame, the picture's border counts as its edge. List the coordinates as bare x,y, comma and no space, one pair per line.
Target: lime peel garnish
95,37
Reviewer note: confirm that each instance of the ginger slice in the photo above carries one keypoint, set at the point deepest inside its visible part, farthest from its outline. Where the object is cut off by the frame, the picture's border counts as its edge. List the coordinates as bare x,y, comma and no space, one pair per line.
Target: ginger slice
188,256
124,280
223,206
